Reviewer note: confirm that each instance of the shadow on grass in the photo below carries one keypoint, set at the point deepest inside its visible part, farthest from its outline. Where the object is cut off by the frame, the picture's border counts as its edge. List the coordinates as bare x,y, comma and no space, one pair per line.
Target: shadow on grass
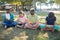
17,34
27,34
54,35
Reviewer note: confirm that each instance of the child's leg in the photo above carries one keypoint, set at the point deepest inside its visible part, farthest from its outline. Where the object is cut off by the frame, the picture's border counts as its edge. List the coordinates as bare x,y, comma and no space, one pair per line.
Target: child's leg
27,25
53,30
36,25
20,25
13,24
42,29
56,27
42,26
50,27
4,24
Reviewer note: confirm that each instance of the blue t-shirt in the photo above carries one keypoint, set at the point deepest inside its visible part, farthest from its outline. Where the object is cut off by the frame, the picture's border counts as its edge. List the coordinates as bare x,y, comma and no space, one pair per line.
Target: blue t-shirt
11,16
50,21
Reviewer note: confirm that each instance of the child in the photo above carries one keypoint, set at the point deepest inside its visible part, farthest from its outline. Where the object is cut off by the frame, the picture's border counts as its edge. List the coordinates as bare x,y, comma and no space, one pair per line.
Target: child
32,22
50,20
8,19
21,19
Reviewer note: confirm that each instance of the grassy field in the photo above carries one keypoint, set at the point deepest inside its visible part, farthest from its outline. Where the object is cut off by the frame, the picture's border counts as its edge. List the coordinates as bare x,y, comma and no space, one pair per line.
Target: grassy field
28,34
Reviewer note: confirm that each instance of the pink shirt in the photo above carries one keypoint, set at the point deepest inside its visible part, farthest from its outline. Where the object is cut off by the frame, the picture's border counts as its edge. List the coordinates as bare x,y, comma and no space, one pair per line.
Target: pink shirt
22,19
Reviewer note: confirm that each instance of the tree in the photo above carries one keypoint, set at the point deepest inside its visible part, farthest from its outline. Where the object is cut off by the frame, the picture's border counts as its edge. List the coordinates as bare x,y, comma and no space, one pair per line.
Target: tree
23,2
51,3
42,1
57,2
8,1
26,2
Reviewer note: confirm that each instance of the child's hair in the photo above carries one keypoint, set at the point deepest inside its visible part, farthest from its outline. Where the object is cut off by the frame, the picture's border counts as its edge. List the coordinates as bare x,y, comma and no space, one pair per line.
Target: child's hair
21,12
51,15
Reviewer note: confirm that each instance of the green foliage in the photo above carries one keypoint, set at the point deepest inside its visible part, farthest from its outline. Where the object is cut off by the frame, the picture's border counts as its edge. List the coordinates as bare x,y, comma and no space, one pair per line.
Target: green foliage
42,1
8,1
51,2
24,2
57,2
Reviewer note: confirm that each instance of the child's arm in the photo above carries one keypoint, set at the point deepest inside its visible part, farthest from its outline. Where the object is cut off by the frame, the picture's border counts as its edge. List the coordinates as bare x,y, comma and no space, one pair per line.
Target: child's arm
46,20
12,16
36,23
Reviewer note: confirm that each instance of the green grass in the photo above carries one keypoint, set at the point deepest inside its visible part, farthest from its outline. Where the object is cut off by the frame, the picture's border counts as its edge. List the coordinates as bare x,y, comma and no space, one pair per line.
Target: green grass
1,18
17,33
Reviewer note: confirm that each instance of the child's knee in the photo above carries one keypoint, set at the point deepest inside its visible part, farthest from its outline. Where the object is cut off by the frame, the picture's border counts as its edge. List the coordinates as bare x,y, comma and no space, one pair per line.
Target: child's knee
56,27
42,26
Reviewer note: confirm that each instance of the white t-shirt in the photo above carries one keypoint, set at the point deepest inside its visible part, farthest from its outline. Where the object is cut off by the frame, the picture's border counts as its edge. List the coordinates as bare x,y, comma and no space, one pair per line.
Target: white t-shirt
7,16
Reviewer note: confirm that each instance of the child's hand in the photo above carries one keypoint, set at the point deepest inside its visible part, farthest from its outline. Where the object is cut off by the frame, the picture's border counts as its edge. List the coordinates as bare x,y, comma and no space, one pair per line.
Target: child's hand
6,19
34,25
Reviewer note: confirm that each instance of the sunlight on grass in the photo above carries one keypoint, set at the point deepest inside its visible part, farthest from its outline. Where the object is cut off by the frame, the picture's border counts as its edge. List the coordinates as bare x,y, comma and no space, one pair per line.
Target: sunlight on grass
7,31
58,21
59,28
16,38
16,17
43,36
21,36
1,18
43,21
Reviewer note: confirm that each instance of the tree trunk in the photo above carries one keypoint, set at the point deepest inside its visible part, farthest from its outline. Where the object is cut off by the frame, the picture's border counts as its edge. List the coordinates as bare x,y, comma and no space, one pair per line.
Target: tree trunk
40,6
34,3
22,6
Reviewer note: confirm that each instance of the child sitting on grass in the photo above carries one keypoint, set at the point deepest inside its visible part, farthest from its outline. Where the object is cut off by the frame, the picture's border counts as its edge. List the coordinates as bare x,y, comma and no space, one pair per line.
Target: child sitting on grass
32,22
50,20
8,19
21,19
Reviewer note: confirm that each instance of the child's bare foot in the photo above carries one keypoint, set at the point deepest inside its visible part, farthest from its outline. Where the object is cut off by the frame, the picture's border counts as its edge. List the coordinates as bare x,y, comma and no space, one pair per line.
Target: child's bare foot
52,30
19,26
5,27
41,29
25,27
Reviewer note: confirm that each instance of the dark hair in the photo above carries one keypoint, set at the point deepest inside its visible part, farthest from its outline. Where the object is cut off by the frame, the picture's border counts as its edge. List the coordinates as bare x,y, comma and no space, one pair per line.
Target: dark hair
51,15
31,12
20,12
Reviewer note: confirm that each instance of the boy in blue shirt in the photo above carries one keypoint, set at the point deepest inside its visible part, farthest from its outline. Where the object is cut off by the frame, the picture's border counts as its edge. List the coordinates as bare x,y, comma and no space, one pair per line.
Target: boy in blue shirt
8,19
50,21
